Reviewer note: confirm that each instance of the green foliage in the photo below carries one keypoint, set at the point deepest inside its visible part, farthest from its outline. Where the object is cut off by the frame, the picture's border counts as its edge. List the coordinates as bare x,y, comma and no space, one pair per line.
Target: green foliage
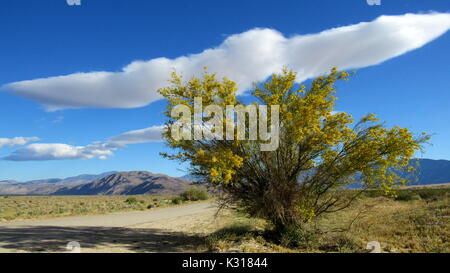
342,243
407,196
7,214
131,200
177,200
195,194
433,194
322,148
427,194
297,236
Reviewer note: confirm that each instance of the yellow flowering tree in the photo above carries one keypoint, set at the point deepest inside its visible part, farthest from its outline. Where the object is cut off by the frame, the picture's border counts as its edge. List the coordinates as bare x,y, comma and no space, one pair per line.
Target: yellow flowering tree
320,150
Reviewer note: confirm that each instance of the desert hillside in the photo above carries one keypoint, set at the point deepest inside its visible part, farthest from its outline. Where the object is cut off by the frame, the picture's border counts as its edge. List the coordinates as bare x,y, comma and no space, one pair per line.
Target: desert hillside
129,183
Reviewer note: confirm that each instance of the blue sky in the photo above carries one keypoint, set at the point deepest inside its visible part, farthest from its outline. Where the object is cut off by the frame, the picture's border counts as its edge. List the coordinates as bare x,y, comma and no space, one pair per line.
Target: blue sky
43,39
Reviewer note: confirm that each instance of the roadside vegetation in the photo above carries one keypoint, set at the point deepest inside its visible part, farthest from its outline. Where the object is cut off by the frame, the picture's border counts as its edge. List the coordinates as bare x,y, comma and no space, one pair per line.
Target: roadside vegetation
417,220
191,194
38,207
317,152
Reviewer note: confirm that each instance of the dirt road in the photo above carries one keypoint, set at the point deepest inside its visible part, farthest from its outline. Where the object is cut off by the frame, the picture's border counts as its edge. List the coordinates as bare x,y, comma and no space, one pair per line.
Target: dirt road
147,231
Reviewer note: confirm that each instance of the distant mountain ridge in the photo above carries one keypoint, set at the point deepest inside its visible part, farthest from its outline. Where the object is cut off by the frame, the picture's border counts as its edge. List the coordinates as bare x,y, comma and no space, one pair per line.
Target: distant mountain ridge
46,186
81,177
142,182
433,171
129,183
429,172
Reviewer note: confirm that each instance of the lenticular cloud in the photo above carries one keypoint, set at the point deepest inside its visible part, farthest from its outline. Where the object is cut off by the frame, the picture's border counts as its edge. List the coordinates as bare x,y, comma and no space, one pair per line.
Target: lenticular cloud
247,57
60,151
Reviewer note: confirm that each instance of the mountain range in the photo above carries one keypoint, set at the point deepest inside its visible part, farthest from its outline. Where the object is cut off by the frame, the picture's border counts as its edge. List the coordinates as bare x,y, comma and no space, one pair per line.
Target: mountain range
47,186
433,171
142,182
129,183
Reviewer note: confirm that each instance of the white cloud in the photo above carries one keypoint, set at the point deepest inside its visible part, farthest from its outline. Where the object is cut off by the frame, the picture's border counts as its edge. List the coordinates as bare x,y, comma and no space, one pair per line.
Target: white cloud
53,151
16,141
248,57
151,134
100,149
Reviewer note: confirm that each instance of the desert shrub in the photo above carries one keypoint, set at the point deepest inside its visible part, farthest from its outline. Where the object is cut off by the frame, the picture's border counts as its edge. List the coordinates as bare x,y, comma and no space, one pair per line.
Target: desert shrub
405,195
322,149
131,200
177,200
341,242
8,214
416,197
433,194
194,194
297,236
412,194
372,193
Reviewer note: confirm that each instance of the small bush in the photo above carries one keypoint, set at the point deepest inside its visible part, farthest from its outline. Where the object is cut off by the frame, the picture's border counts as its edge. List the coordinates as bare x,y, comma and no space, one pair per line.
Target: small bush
411,194
194,194
342,243
131,200
296,236
407,195
416,197
177,200
8,214
433,194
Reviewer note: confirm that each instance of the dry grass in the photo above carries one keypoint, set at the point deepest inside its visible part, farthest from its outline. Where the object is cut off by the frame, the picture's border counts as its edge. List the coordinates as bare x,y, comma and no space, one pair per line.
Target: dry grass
14,208
418,221
415,225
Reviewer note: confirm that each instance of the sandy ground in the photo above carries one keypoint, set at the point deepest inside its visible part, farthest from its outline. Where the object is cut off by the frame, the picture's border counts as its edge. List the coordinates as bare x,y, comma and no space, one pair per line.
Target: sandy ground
162,230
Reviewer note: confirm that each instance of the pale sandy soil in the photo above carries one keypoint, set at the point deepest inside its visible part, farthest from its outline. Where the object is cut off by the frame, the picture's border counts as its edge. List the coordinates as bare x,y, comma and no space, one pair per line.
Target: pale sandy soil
172,229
